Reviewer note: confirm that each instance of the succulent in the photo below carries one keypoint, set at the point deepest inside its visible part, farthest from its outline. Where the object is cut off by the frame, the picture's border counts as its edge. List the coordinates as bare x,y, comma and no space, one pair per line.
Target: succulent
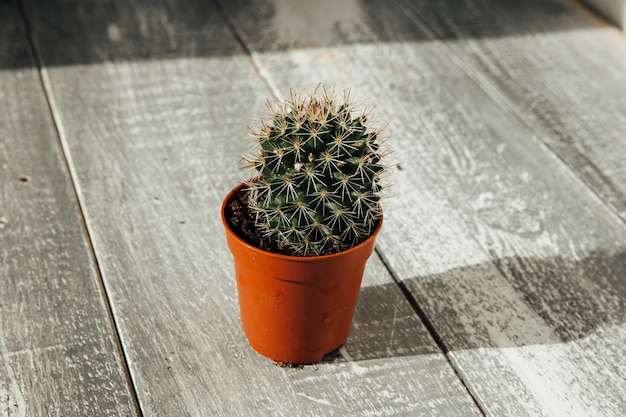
319,167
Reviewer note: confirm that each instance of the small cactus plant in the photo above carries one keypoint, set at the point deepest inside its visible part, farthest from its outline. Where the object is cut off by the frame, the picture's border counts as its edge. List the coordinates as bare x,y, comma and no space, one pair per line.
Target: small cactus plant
319,167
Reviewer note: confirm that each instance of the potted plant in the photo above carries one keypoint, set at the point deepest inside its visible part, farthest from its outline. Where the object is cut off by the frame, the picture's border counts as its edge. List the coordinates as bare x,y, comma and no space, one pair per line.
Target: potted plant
302,228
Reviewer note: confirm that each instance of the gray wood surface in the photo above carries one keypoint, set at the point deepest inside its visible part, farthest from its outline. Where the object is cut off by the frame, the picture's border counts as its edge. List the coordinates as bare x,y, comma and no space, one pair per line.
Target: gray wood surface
57,348
558,68
154,141
516,262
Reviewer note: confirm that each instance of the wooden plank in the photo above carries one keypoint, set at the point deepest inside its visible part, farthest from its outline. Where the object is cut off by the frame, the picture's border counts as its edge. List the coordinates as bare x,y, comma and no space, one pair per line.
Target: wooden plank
518,267
57,346
154,144
613,10
560,70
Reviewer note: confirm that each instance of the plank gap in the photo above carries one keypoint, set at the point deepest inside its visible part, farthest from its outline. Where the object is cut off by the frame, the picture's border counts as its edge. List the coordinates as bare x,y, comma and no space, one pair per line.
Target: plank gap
500,97
73,185
256,65
603,12
428,324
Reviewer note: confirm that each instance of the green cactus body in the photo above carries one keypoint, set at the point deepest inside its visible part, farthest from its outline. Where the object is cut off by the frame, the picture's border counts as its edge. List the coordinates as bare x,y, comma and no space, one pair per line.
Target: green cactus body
320,183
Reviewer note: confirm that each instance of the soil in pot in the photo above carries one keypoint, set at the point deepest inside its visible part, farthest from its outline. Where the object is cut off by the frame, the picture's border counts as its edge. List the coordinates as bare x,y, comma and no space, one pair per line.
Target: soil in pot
241,220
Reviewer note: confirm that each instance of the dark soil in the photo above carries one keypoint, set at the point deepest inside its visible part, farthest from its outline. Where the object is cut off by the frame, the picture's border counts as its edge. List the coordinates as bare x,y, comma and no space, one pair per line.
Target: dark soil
241,221
290,365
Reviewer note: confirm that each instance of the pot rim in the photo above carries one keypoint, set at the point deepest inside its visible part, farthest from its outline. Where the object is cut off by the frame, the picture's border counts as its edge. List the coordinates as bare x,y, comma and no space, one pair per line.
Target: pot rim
291,258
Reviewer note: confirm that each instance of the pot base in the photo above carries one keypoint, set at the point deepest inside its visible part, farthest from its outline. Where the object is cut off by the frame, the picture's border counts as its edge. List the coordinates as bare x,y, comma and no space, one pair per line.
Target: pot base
300,359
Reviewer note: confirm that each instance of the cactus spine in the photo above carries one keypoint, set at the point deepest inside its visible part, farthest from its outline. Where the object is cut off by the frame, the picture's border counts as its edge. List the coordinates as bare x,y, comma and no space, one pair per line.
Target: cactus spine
320,172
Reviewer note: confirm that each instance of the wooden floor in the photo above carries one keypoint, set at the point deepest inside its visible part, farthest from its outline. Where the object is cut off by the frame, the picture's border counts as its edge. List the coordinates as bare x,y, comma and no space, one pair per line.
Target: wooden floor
498,286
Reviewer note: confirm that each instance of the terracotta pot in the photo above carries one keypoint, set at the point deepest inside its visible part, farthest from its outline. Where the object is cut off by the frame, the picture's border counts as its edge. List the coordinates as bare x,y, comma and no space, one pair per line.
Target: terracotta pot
296,309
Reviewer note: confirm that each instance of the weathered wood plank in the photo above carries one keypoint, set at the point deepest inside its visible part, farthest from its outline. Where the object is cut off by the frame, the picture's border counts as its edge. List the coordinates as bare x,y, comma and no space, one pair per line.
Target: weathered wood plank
559,69
154,144
57,346
516,264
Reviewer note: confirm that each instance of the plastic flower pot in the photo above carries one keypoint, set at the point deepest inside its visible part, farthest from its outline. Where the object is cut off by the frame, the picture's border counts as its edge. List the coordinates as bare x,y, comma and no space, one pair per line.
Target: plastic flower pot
296,309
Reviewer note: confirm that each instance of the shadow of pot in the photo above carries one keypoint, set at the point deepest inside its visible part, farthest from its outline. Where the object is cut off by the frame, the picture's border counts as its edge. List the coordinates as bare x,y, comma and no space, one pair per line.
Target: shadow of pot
296,309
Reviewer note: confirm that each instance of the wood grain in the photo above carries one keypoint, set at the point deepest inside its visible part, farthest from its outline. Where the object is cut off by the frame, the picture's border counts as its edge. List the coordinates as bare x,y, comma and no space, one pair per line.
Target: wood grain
517,265
560,70
57,346
154,142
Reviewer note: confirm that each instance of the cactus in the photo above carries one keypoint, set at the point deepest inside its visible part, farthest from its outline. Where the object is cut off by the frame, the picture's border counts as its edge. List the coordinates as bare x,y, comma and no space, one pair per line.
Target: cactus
319,167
